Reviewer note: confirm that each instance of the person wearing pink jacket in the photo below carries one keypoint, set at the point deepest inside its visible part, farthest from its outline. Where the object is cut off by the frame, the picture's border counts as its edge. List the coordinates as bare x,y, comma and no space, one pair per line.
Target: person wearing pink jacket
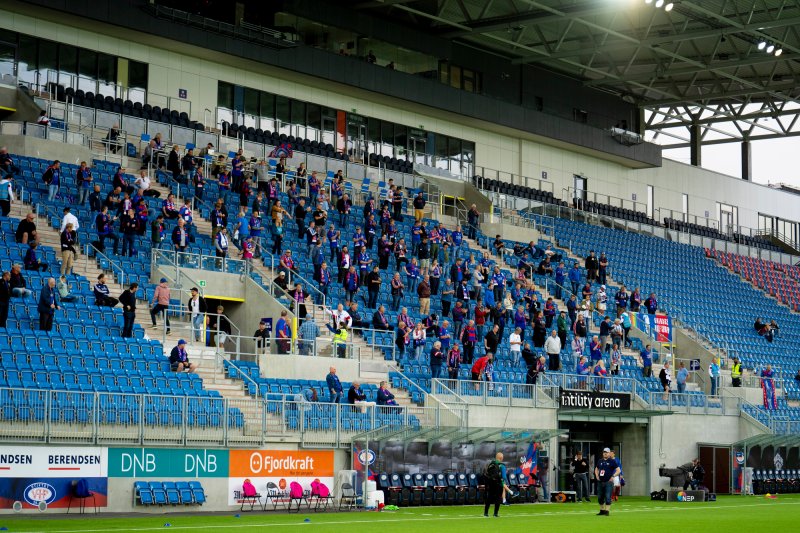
160,303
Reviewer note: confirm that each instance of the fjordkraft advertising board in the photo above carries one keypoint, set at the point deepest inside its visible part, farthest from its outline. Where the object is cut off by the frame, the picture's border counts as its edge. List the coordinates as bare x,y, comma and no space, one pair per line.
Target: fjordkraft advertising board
34,474
277,466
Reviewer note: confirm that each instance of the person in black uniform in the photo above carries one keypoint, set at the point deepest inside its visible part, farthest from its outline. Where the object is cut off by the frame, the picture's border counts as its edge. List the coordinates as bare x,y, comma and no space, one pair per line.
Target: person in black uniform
580,472
494,485
698,474
604,471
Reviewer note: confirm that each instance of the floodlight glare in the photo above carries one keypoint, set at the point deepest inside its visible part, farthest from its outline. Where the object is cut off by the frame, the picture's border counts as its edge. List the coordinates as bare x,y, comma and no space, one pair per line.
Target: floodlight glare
669,7
648,1
659,3
761,45
770,48
778,52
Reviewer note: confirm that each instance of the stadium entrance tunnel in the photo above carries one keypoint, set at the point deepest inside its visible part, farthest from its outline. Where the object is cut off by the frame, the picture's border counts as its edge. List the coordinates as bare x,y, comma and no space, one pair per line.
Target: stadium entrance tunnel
589,431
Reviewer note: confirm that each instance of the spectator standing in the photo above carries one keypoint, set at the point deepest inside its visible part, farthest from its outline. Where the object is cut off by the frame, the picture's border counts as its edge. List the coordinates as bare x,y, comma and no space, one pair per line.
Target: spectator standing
309,331
437,360
197,311
419,206
334,386
713,373
128,301
592,265
130,228
48,305
681,377
575,278
651,304
646,356
283,333
6,193
104,223
473,221
736,372
665,377
552,346
83,179
580,474
261,336
424,293
160,303
52,178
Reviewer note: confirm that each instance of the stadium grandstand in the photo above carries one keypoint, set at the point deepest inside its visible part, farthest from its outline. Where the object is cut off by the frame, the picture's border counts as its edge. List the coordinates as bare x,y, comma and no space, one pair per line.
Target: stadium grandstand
316,256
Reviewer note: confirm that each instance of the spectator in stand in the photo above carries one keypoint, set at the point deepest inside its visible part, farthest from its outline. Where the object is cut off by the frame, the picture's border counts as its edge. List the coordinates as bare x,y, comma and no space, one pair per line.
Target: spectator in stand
43,120
308,333
219,217
605,333
553,346
196,306
515,344
179,359
128,301
189,166
774,328
468,335
681,377
18,285
355,395
595,351
283,333
665,377
625,319
142,185
220,328
7,167
63,290
447,296
602,272
5,297
158,231
174,164
169,209
419,206
418,337
622,300
617,333
6,193
48,305
646,356
95,199
797,377
102,294
562,325
32,261
635,300
334,386
592,265
52,178
129,227
180,236
424,293
343,206
221,243
478,371
583,369
83,179
714,373
262,338
437,360
356,322
602,300
385,397
615,360
379,319
104,223
453,361
575,278
651,304
119,180
26,230
160,303
401,340
473,222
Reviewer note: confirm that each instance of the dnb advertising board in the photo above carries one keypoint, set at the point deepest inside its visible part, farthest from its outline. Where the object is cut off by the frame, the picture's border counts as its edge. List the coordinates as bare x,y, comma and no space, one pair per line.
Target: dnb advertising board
277,466
32,474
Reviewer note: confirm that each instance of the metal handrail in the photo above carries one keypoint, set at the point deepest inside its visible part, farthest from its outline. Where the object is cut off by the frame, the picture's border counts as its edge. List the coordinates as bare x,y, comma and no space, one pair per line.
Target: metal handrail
120,278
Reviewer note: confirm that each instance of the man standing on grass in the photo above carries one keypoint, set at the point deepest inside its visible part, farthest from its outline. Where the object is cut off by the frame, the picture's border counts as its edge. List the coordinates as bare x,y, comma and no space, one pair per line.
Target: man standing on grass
494,485
604,471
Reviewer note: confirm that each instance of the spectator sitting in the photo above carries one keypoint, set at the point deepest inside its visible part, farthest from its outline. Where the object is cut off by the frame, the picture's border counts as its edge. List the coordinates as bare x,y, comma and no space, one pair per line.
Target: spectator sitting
63,290
774,328
26,230
102,295
32,261
19,288
281,282
5,296
499,246
7,167
384,396
379,319
758,325
179,359
355,394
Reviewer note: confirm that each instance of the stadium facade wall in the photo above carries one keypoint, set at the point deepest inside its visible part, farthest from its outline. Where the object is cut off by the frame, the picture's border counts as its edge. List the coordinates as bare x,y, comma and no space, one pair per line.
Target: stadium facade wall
497,147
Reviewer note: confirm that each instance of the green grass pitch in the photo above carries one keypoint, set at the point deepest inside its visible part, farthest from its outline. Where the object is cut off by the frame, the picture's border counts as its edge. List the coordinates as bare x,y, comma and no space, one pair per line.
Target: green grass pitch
729,513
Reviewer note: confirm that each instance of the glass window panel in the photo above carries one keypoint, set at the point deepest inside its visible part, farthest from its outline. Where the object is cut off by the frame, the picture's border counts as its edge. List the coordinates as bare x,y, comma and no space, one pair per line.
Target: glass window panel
400,140
225,95
282,108
267,105
137,75
27,52
67,64
455,76
106,68
251,102
298,113
374,130
387,132
8,55
87,71
314,116
48,62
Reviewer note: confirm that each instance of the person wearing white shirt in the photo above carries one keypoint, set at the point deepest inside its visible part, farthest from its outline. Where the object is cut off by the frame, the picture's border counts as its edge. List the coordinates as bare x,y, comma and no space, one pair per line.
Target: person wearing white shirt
340,315
515,341
142,183
553,348
69,218
477,281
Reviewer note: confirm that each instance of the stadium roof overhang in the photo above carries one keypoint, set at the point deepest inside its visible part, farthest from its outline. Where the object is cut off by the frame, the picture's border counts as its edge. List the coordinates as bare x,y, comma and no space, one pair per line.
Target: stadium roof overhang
459,434
697,70
600,415
768,439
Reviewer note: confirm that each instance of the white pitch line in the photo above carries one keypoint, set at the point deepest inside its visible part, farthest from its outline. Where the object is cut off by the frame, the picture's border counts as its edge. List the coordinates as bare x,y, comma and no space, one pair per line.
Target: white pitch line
412,519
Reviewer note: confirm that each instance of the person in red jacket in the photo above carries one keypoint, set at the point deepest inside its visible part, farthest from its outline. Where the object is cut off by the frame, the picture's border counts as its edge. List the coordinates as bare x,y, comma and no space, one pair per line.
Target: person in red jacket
479,368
